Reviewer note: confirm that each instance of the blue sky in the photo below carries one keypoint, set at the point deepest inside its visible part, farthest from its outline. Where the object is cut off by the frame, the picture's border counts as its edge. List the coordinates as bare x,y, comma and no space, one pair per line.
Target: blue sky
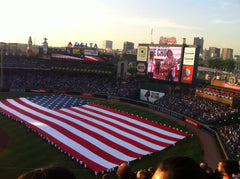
92,21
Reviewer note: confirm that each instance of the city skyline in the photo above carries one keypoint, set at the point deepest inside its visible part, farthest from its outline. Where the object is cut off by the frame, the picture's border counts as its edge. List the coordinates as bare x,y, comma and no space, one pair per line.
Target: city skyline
93,21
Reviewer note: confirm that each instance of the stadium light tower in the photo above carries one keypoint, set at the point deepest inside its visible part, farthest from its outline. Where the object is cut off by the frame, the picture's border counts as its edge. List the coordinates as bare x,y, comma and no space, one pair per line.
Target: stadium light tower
151,34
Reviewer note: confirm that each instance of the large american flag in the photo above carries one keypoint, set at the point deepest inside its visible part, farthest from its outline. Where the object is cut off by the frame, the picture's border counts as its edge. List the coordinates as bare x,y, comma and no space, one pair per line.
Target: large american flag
99,137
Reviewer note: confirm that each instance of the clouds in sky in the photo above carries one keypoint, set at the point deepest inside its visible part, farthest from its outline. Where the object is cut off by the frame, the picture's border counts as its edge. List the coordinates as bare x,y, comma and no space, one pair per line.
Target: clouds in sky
219,21
161,22
121,20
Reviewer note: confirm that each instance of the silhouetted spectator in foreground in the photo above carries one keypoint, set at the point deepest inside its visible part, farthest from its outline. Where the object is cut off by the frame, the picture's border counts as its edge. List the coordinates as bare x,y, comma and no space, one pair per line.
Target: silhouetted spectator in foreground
205,167
106,176
124,171
144,174
235,169
226,168
55,172
151,170
179,168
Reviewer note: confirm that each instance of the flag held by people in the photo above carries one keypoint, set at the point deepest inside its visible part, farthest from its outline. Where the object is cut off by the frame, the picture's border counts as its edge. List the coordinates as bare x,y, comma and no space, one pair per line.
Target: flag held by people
102,138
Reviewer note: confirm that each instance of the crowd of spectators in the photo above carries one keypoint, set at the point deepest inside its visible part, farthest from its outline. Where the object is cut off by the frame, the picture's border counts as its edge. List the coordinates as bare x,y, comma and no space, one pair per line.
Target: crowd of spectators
24,62
217,92
183,167
199,108
207,111
231,137
82,82
176,167
209,74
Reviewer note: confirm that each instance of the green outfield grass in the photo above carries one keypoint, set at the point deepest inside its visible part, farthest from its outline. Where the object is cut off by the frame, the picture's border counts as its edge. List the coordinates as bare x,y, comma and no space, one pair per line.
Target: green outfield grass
26,150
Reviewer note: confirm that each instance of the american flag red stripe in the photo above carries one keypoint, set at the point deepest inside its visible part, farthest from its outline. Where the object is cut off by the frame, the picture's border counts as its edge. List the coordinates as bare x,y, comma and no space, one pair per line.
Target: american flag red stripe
100,137
122,131
107,133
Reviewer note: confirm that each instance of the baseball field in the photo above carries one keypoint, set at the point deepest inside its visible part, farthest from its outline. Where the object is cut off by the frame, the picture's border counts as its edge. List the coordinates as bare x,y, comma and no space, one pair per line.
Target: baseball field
22,150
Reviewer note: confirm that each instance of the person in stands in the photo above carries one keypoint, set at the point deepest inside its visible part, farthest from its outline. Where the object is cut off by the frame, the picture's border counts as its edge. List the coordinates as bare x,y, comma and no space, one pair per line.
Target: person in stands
151,170
124,171
53,172
106,176
226,168
179,167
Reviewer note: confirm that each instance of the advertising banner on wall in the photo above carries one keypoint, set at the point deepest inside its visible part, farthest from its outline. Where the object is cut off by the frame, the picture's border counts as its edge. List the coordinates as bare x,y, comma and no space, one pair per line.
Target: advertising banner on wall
187,74
76,51
189,56
224,84
150,96
168,40
231,86
191,121
91,52
87,94
141,68
142,53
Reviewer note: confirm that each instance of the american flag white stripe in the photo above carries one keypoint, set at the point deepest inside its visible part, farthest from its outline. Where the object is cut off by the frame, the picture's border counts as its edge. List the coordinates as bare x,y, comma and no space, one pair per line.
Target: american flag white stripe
142,123
133,121
146,128
119,140
100,137
86,125
126,125
80,134
76,122
73,130
120,132
54,134
110,136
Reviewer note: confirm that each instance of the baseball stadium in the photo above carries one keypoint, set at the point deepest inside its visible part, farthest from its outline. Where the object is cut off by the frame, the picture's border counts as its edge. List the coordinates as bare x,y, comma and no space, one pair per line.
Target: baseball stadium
84,110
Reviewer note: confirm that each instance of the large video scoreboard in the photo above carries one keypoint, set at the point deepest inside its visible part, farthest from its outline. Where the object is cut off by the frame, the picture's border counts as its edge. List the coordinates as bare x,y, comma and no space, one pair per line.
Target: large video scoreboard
173,63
